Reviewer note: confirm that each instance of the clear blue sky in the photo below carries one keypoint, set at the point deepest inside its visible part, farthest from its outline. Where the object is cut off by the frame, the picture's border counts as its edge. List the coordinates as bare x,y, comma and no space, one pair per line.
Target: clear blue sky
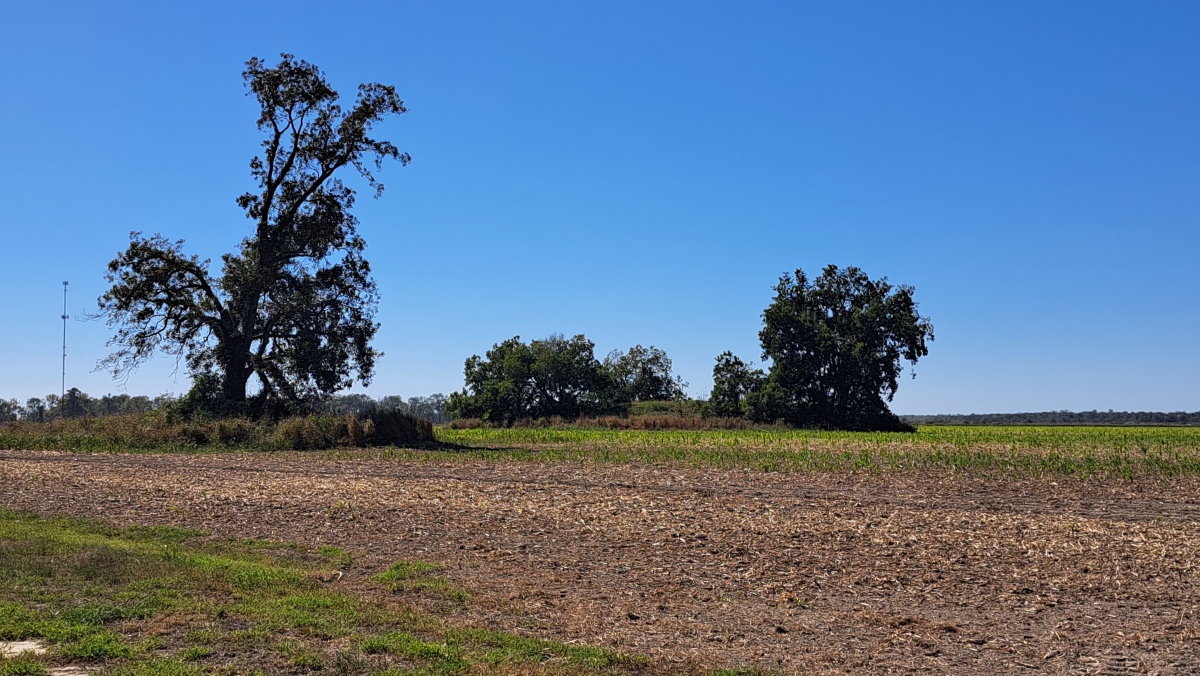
643,172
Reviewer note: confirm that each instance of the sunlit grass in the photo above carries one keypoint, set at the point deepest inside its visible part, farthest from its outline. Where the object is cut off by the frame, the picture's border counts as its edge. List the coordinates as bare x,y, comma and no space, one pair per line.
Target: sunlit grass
1073,451
167,601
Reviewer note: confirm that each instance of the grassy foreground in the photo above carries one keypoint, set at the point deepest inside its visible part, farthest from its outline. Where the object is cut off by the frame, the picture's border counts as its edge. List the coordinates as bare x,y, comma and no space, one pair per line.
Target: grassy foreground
1118,452
162,600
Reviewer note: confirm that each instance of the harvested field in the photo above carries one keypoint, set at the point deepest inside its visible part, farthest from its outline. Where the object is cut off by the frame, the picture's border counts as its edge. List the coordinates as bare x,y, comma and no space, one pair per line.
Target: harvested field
699,567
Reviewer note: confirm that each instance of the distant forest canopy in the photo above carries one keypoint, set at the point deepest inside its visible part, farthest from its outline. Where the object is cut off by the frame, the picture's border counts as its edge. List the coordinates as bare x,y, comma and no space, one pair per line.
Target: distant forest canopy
77,404
1059,418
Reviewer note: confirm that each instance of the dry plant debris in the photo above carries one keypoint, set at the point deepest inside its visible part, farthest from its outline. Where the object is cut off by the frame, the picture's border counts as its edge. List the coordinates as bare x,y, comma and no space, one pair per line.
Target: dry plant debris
796,573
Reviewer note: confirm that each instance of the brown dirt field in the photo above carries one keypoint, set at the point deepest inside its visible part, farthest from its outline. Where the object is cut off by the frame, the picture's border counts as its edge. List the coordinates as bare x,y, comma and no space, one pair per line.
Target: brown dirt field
794,573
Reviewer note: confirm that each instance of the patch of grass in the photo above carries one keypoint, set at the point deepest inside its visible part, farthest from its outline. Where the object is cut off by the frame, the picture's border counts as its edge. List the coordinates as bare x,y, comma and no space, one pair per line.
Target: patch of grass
337,556
502,649
161,601
195,653
157,667
406,570
162,535
97,646
417,576
316,613
463,647
24,664
441,657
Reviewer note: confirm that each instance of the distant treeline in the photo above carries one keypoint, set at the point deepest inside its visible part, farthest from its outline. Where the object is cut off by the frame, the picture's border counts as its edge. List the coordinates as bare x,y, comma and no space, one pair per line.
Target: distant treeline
77,404
1060,418
431,408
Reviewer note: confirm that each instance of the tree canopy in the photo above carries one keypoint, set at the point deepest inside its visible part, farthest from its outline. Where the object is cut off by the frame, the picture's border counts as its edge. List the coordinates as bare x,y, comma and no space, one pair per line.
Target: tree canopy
78,404
559,377
294,305
642,374
835,346
734,381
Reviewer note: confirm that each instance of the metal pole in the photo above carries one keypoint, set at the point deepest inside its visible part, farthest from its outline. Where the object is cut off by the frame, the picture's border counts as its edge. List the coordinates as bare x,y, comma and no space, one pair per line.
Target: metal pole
63,395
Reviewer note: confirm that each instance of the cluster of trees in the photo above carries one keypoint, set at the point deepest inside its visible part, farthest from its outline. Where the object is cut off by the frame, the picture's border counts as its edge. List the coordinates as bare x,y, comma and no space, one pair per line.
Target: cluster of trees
1061,418
835,346
431,408
291,315
560,377
77,404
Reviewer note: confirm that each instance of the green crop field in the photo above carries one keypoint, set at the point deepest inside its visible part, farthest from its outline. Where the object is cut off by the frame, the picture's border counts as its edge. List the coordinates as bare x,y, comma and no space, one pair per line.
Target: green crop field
1076,451
1116,452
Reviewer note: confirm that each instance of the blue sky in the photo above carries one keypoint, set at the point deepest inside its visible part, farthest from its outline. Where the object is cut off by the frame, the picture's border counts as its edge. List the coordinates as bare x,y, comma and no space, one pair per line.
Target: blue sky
644,172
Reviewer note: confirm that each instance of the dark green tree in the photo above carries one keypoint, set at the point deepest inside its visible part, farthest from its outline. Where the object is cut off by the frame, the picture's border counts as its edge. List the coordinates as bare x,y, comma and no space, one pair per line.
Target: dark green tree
734,383
641,374
10,409
835,346
552,377
75,404
431,408
497,385
294,305
53,407
35,410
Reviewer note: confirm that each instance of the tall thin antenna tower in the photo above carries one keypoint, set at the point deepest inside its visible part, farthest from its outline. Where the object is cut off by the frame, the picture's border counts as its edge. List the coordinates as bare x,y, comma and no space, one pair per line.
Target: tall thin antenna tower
65,316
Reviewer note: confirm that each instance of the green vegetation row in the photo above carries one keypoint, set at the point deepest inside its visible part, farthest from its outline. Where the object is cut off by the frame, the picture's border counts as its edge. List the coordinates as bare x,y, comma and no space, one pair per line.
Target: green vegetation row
159,431
835,346
163,600
80,404
1118,452
1061,418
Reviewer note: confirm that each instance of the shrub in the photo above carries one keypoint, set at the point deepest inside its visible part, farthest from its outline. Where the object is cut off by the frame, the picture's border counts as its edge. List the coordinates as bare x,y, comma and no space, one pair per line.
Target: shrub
393,428
311,432
354,430
684,408
159,431
234,431
466,424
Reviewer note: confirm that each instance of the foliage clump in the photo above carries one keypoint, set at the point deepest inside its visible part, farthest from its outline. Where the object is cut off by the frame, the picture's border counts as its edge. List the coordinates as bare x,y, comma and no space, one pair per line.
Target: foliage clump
560,378
161,431
835,347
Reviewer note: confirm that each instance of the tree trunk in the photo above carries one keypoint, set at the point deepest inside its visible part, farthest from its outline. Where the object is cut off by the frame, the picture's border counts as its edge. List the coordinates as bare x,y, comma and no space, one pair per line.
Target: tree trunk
235,363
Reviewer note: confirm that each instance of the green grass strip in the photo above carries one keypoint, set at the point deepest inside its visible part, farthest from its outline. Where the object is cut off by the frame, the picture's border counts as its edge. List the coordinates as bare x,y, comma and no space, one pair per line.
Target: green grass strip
167,601
1113,452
